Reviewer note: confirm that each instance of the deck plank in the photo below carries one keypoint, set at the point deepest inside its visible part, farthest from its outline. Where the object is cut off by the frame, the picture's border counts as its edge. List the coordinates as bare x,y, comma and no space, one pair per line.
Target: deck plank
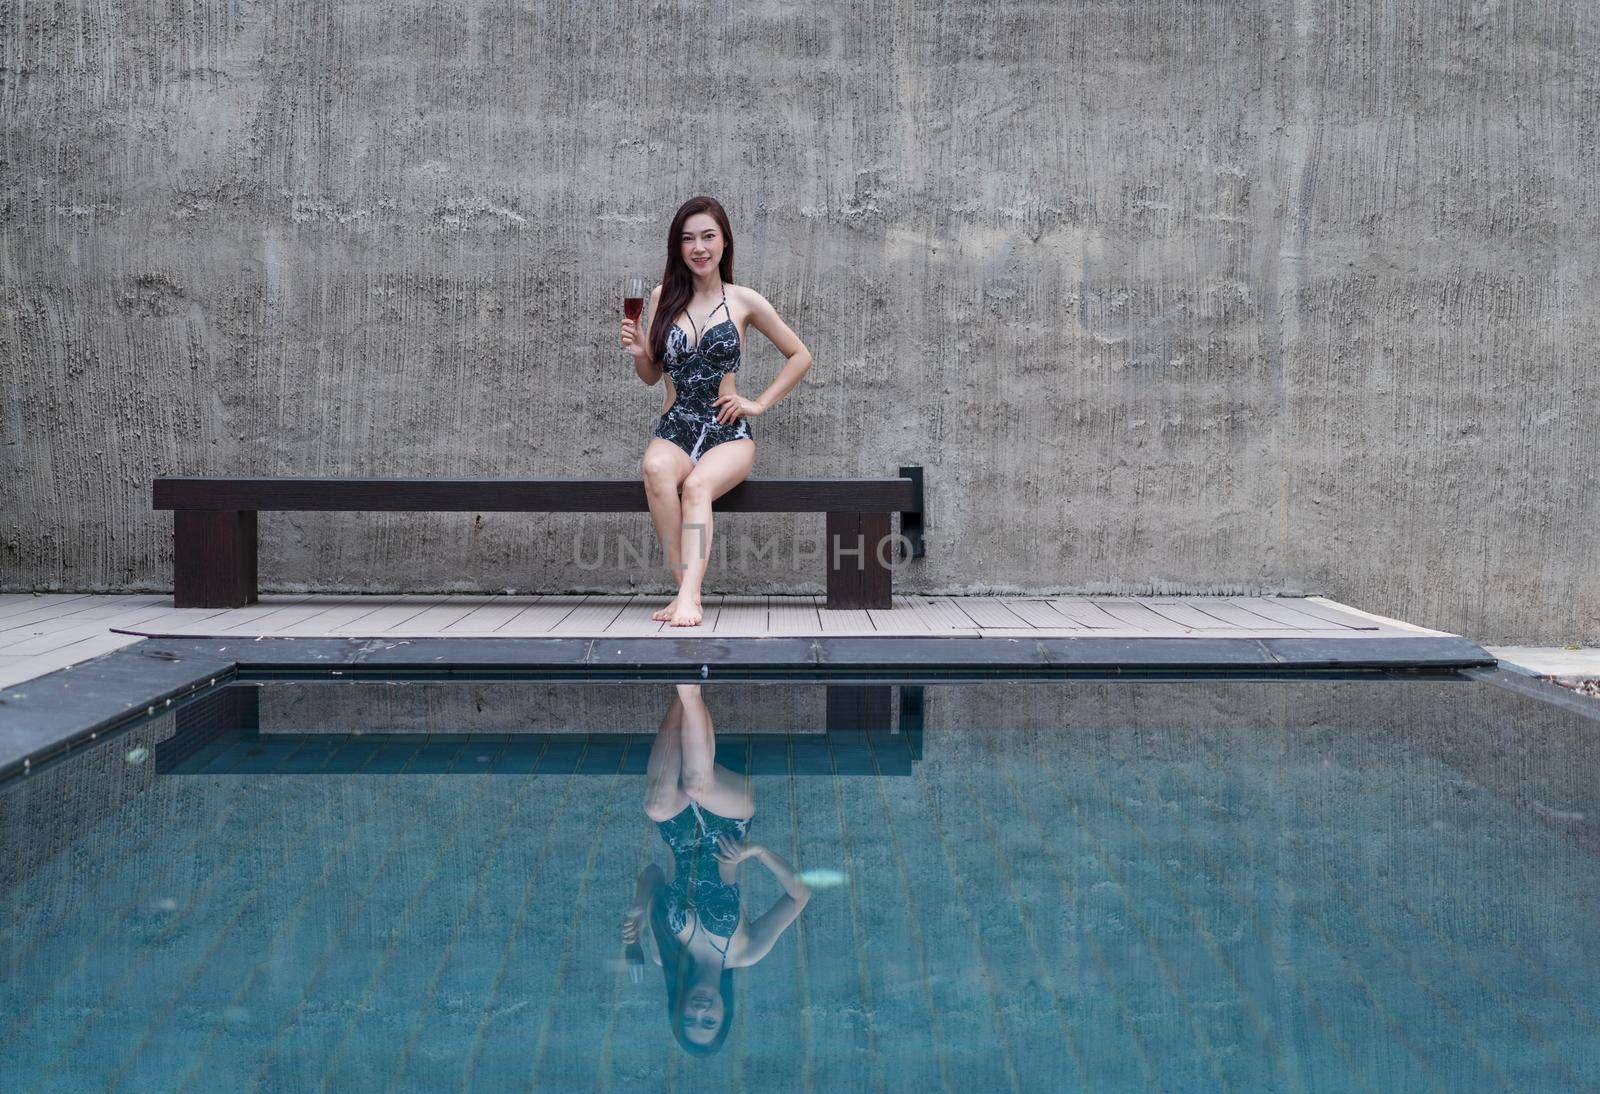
844,621
250,619
900,619
540,617
263,617
309,607
379,623
590,618
437,618
1277,608
38,665
68,612
1349,613
989,611
49,634
1130,613
347,609
490,617
52,604
634,620
1184,614
1239,615
1306,606
940,613
1085,613
793,615
742,616
1038,613
61,639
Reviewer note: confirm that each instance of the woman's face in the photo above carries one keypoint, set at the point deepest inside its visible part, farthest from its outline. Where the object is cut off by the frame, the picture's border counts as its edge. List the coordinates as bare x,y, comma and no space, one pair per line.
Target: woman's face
702,1015
701,244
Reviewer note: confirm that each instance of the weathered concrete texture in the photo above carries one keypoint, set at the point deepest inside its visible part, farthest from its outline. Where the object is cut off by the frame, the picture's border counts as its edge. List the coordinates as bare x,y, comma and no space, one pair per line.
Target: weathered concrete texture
522,706
1166,296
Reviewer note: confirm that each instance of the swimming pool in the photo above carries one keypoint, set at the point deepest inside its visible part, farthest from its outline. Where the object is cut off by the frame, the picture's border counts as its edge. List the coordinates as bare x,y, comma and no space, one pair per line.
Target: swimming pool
1372,884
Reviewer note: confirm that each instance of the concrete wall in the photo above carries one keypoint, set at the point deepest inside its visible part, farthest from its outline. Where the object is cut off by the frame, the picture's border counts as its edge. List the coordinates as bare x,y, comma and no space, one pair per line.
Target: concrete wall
1166,297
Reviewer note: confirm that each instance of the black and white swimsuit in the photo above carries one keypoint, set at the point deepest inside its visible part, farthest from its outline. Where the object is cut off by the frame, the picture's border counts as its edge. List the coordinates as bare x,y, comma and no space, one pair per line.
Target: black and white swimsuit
697,887
696,372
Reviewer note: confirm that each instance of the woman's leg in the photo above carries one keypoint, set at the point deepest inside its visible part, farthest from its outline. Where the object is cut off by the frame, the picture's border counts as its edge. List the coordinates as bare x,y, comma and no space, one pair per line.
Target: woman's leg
664,797
703,779
664,466
721,469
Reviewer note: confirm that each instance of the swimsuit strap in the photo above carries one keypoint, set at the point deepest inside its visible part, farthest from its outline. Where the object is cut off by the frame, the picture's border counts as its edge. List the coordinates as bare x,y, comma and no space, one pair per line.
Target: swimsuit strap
709,314
710,938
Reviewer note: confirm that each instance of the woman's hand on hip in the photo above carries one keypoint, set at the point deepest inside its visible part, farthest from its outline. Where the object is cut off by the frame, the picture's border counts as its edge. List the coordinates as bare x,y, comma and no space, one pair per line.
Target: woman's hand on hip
733,406
731,851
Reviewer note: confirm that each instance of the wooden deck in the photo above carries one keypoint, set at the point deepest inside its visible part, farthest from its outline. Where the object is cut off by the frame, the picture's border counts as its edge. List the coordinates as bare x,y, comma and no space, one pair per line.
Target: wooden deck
42,633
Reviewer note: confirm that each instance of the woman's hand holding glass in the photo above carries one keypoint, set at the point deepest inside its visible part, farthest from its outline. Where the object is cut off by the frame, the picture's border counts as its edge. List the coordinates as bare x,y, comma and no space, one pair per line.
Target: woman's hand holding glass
631,924
633,340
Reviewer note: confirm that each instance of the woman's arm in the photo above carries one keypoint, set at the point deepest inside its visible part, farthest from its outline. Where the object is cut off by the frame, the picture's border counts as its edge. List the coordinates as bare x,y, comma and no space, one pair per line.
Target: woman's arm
732,852
785,874
764,932
765,319
645,887
636,923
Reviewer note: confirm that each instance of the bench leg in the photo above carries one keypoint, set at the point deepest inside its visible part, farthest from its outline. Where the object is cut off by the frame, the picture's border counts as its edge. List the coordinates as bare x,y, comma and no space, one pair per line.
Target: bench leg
858,708
213,558
857,576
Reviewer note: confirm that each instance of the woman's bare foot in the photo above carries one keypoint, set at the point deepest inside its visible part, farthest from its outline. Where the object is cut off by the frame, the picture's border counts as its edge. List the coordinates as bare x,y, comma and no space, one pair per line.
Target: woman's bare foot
664,614
687,613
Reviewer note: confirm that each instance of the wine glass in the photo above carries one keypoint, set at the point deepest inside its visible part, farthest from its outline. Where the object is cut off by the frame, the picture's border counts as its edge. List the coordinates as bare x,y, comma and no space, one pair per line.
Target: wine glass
633,297
633,300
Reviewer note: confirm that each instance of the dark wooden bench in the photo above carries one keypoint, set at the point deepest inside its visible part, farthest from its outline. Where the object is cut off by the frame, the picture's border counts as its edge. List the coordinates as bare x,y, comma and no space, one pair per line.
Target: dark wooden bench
214,519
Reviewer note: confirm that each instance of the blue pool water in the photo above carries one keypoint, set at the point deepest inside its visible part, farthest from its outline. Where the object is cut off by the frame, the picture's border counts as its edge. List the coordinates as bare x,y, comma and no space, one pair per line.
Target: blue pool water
1182,885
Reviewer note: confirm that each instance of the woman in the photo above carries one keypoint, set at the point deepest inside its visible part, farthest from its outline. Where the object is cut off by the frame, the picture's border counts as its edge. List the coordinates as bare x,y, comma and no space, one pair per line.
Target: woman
702,443
688,919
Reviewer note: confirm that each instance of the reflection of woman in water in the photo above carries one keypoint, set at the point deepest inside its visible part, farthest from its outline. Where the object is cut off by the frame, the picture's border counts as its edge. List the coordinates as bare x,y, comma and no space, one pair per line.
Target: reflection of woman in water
688,919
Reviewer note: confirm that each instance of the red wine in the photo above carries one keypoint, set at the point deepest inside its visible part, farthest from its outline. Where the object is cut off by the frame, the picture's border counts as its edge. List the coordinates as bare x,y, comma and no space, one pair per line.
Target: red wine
632,306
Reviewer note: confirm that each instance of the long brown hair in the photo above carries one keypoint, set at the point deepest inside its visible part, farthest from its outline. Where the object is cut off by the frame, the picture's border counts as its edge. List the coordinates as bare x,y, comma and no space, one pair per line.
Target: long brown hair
677,281
677,971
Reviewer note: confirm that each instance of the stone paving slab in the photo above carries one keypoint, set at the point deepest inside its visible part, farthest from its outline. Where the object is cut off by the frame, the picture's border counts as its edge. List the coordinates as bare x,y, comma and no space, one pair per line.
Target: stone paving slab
1554,662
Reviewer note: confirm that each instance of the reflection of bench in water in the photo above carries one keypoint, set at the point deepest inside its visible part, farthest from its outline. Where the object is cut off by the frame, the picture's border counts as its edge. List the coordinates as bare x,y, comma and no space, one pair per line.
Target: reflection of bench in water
861,738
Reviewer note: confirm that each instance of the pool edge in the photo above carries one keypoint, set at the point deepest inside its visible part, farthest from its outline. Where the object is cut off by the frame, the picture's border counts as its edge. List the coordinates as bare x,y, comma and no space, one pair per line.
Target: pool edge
46,715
